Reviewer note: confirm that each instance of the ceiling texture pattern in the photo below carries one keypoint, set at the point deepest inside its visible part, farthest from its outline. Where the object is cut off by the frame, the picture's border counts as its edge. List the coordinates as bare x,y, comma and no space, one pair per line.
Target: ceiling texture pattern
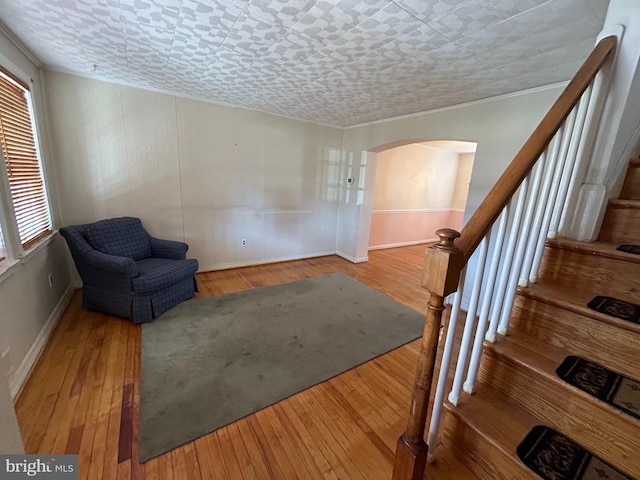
337,62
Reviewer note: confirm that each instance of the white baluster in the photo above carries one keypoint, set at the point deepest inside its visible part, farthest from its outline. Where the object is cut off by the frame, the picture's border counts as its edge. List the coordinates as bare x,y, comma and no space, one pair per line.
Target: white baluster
483,320
506,262
576,135
476,352
523,237
445,364
540,209
555,185
469,325
600,87
590,98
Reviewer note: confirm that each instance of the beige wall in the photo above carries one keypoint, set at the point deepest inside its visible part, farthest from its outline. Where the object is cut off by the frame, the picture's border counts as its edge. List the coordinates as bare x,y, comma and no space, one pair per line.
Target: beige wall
10,441
195,171
30,307
418,190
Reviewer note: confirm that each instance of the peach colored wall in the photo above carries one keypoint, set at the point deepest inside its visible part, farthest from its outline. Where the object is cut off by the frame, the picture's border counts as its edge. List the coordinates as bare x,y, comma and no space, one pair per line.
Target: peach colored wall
398,228
456,218
418,190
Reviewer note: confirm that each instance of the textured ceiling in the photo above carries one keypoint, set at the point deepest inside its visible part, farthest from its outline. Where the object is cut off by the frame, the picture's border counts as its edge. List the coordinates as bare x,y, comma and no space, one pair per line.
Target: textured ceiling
338,62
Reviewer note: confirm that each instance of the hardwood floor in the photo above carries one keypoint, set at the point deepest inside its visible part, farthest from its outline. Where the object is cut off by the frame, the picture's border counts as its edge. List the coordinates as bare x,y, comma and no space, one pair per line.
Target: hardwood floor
83,396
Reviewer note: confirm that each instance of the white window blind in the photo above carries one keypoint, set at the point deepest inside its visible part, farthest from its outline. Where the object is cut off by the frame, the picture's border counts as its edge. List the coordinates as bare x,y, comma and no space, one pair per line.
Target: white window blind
22,160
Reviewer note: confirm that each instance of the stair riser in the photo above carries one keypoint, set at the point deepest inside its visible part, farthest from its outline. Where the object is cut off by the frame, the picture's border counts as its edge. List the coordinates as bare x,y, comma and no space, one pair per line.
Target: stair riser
481,457
578,334
593,424
621,225
631,186
606,276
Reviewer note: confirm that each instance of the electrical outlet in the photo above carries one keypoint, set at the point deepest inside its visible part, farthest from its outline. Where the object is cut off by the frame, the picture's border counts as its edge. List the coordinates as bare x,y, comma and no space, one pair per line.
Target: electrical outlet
243,242
51,280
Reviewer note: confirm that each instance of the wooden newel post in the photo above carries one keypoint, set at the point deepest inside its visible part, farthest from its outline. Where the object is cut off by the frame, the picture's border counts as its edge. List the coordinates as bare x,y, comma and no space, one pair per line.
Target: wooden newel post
442,265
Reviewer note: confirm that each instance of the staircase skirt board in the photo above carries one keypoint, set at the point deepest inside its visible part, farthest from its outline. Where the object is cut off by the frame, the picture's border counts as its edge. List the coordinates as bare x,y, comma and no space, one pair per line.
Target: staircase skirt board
554,456
617,390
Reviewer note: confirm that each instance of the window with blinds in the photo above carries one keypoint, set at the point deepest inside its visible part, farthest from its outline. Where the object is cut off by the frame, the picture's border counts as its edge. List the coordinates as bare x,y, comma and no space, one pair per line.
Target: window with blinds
22,160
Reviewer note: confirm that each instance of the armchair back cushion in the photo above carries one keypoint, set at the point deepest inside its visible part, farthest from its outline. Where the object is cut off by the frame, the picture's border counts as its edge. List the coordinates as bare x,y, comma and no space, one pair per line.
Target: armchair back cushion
124,237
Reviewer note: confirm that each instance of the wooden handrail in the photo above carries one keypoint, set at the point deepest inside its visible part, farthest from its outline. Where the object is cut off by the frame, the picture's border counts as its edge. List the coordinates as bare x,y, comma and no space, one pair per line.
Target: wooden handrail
487,213
445,260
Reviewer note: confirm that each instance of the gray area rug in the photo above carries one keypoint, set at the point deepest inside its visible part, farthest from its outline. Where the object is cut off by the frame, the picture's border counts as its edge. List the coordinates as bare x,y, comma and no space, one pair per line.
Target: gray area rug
211,361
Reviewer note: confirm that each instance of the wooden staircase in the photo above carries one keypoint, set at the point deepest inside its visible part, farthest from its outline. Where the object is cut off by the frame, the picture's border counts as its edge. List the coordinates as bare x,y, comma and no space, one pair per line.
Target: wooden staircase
517,386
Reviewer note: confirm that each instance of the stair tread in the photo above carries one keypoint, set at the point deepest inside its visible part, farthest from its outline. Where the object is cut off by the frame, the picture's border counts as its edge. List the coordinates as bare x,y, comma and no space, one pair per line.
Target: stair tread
528,379
621,222
575,300
534,353
502,424
624,203
543,360
447,464
541,355
604,249
546,326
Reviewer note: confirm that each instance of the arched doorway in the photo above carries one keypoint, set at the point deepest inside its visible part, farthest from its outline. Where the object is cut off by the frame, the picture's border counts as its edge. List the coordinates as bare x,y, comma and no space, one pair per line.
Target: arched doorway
419,188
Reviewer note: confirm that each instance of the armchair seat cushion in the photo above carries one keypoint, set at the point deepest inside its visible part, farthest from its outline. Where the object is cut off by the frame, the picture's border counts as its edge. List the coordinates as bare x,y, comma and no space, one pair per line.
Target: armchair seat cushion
158,273
124,237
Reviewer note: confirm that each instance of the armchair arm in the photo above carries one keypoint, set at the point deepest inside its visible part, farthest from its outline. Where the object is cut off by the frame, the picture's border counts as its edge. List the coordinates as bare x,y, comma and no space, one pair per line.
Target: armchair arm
168,248
111,263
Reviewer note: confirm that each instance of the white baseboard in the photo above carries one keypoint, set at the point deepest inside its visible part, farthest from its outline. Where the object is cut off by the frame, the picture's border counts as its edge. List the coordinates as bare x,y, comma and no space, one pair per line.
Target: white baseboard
22,373
403,244
351,258
264,261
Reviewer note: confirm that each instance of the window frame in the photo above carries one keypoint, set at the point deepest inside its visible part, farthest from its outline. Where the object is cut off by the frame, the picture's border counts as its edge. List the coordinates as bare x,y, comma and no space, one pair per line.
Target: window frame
15,251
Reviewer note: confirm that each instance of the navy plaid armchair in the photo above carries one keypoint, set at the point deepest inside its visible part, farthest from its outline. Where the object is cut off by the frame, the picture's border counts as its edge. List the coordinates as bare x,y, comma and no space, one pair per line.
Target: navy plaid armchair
127,272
